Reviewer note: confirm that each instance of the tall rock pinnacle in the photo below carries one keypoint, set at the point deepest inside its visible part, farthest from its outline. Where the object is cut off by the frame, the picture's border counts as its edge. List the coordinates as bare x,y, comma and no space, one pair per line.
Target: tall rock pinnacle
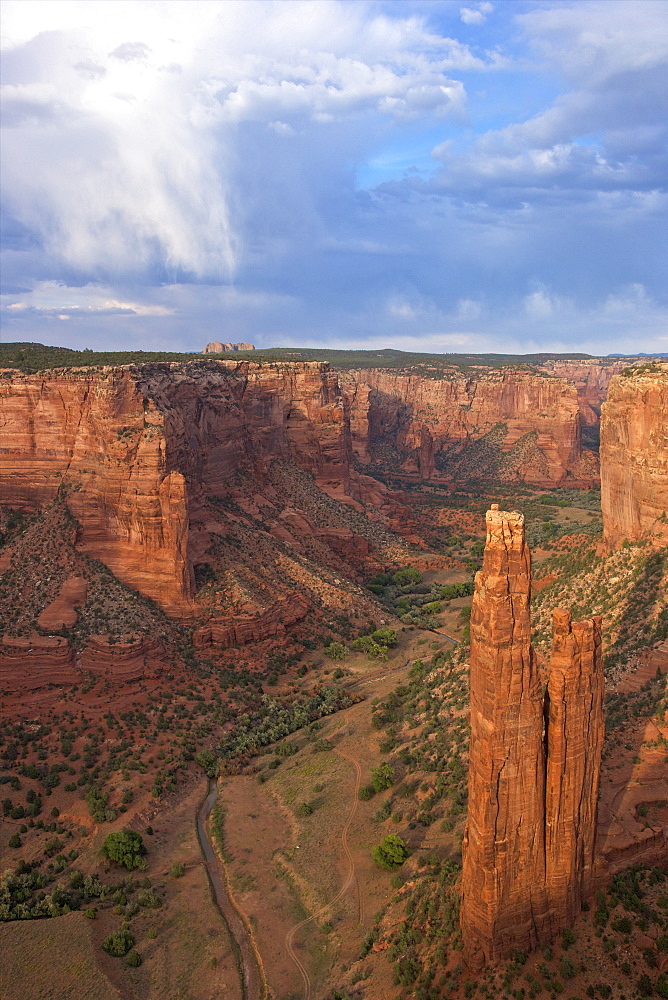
534,761
504,904
574,745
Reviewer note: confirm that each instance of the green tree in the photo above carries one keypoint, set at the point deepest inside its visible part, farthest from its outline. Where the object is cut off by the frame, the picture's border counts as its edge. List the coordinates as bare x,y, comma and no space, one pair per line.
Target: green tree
125,848
385,636
336,651
382,777
391,853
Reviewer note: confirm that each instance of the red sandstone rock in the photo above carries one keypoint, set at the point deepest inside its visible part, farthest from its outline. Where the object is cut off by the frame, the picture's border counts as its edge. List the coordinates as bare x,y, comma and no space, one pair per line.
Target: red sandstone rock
239,631
504,900
126,659
591,377
574,745
529,846
31,662
634,457
63,611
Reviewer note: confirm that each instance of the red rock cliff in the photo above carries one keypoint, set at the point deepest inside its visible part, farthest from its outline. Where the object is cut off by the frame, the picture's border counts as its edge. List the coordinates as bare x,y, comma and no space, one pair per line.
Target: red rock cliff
634,456
504,902
574,745
527,422
140,448
591,377
94,431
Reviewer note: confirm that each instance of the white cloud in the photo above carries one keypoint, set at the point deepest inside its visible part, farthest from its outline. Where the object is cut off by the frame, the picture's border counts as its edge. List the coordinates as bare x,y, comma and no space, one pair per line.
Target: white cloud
470,16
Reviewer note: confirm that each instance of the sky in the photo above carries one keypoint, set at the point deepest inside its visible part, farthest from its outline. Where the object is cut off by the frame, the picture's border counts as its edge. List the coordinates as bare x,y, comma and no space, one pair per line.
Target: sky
429,176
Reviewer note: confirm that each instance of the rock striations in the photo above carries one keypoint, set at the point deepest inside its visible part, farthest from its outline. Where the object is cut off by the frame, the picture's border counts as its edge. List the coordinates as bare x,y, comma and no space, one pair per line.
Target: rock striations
634,456
534,761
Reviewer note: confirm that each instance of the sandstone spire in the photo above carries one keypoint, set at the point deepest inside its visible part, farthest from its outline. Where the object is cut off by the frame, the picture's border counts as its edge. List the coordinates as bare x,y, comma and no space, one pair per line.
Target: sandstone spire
504,904
534,761
574,744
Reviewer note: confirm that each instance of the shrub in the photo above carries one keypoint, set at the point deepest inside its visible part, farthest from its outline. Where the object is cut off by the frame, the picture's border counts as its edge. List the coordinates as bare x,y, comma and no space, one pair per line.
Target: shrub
125,848
177,870
15,840
304,809
134,958
118,944
91,913
391,853
365,793
405,576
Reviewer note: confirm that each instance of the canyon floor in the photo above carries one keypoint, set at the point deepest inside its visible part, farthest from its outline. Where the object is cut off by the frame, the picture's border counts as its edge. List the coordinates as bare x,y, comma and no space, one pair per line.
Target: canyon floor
300,813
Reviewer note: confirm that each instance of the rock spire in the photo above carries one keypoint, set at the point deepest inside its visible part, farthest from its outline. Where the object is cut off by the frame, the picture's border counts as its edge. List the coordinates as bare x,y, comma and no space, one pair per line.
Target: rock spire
534,761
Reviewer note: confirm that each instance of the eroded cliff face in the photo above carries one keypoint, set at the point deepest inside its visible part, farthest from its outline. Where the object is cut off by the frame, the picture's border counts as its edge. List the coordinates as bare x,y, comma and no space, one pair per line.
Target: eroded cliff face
94,432
529,844
634,457
491,424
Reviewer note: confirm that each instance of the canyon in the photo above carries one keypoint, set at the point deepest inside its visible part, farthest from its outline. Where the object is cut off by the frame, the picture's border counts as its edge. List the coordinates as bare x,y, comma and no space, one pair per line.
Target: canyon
152,457
189,552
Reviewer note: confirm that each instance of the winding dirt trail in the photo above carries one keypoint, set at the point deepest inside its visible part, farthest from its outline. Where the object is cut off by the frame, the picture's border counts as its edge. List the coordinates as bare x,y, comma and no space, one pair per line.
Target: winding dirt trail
351,879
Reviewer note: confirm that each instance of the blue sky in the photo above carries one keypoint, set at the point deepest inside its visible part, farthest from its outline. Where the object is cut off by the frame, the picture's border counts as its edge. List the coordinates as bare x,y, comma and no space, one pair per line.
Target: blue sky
438,175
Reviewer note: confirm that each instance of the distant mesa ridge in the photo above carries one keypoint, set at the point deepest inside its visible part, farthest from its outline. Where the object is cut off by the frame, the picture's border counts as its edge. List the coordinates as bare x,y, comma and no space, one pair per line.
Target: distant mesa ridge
215,347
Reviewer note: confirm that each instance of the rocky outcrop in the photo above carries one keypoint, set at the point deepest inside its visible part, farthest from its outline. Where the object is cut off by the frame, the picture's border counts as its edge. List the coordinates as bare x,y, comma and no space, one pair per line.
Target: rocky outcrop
504,899
244,629
30,662
462,425
94,433
62,612
634,457
534,764
127,659
574,746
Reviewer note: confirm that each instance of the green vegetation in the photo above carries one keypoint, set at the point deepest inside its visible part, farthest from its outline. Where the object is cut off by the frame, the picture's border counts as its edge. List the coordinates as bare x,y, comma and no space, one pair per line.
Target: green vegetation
118,944
31,357
124,848
391,853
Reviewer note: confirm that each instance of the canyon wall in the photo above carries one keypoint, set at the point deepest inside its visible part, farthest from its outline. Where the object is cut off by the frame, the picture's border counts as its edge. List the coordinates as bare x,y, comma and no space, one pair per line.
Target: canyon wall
463,425
591,378
141,449
634,456
534,763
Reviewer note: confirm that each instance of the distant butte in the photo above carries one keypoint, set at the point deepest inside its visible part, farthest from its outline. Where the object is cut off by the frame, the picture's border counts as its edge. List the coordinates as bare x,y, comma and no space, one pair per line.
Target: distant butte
215,347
